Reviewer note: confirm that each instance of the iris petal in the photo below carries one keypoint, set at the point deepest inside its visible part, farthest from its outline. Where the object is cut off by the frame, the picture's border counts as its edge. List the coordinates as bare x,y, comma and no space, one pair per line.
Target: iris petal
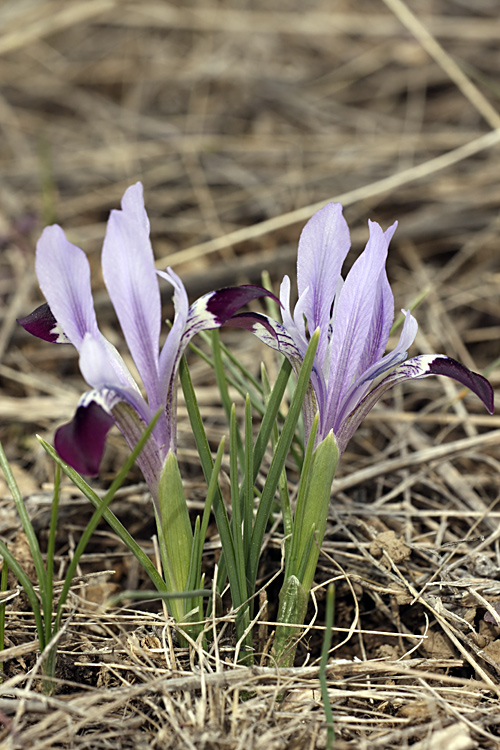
130,277
81,442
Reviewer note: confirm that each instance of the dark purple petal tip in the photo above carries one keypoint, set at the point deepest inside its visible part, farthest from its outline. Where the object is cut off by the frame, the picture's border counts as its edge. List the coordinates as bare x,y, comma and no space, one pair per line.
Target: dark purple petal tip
472,380
249,320
41,323
226,302
81,442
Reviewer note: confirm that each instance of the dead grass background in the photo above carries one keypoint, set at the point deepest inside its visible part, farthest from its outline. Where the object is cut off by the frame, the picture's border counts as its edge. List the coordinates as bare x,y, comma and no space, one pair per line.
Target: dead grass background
240,116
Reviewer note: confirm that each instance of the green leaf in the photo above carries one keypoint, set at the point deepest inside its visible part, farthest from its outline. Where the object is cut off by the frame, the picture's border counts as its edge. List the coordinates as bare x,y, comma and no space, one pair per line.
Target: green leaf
108,516
175,524
29,590
26,523
220,513
278,461
292,611
316,504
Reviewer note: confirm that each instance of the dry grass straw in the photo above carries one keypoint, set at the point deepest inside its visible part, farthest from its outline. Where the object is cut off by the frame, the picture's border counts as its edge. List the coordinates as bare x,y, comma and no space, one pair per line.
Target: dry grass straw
241,118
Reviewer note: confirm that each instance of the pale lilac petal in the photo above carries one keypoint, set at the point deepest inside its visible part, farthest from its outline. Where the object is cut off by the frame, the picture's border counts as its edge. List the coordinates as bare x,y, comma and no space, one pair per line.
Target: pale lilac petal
323,246
102,366
295,326
419,367
130,277
64,276
386,363
356,315
41,323
169,352
378,332
400,351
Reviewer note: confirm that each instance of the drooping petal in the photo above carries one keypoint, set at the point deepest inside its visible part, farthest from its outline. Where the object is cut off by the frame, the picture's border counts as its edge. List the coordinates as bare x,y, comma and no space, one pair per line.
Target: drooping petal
357,317
130,278
41,323
419,367
442,365
64,276
214,309
81,442
383,365
270,332
224,303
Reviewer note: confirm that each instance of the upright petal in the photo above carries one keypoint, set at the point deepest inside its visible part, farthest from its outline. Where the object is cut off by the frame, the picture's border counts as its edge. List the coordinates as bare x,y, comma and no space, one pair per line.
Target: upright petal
294,325
383,306
130,277
64,276
323,246
361,312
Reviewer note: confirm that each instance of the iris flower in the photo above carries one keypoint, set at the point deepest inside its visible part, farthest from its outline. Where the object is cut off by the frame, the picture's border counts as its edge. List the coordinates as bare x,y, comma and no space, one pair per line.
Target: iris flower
69,317
354,317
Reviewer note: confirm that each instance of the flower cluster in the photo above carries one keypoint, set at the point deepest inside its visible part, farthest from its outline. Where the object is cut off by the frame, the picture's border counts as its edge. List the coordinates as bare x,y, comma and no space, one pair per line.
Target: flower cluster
354,317
68,317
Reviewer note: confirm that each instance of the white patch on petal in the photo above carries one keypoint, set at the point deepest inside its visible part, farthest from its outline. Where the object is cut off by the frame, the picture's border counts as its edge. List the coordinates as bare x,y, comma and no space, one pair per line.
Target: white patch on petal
199,318
104,397
421,365
59,335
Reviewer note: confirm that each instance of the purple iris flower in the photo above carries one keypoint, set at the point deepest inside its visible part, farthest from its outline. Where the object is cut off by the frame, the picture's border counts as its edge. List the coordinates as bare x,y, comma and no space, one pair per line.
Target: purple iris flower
132,282
354,317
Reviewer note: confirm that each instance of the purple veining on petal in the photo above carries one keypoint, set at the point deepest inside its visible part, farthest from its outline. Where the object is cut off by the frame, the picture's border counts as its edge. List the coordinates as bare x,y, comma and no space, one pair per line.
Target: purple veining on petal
323,246
359,389
63,273
41,323
81,442
382,316
355,311
130,277
268,331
